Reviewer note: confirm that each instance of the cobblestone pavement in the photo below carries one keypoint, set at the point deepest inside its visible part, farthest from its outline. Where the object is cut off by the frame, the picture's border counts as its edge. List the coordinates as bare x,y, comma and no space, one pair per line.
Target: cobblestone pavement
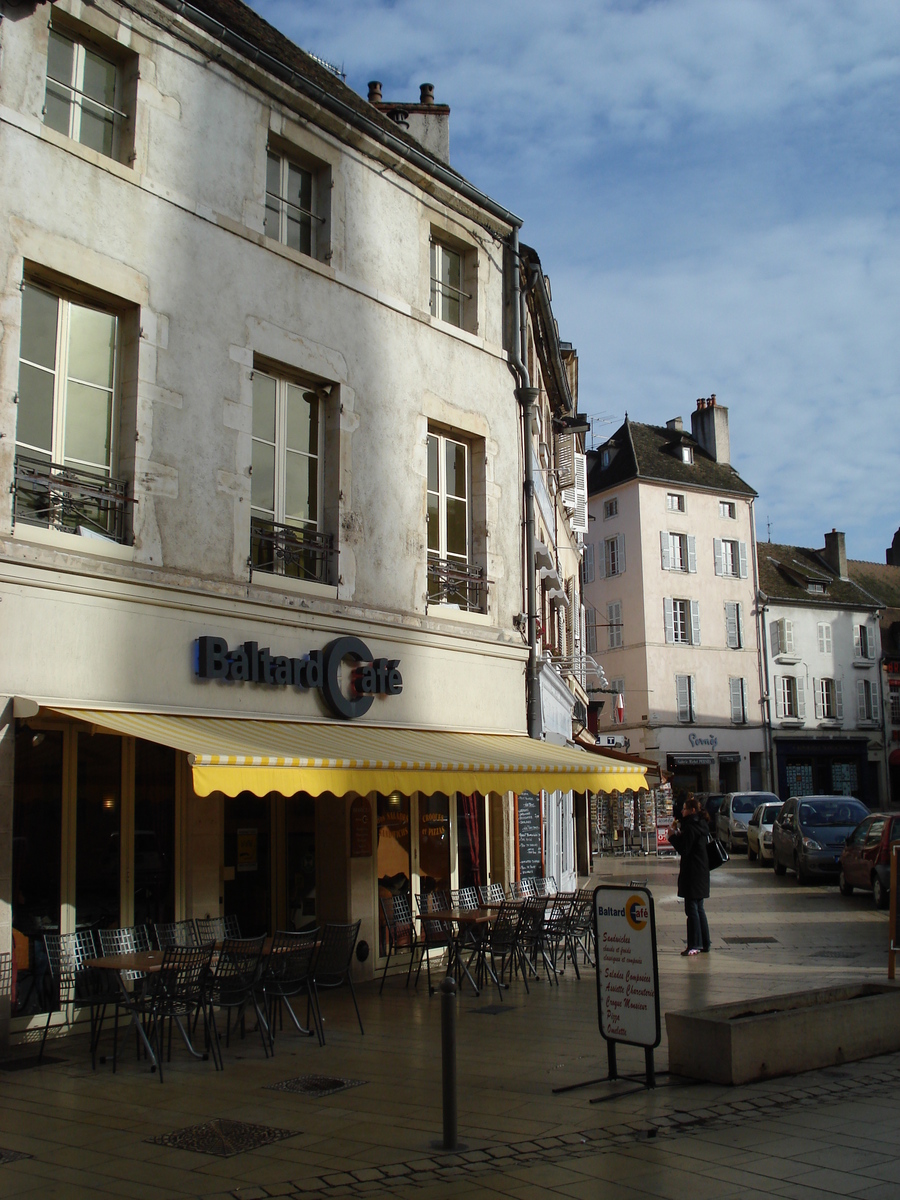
362,1115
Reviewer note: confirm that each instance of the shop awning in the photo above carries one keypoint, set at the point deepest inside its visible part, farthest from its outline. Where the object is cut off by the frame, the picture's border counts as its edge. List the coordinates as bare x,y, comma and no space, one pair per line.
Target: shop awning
234,755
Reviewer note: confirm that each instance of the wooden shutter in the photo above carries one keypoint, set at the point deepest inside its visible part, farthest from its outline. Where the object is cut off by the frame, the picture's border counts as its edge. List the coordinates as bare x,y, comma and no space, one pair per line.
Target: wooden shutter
857,642
665,553
590,630
669,617
719,556
588,562
695,622
614,620
601,560
731,625
779,697
824,631
801,698
775,630
737,700
838,700
692,554
870,642
740,625
683,697
861,699
620,553
565,467
787,636
578,497
819,686
742,559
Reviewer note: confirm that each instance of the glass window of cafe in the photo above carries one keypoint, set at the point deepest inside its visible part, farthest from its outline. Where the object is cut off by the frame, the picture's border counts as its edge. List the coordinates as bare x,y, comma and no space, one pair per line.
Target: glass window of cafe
90,810
427,844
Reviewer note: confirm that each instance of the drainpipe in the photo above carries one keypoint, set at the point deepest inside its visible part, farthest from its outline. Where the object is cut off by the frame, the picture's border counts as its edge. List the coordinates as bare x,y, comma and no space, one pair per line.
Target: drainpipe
762,658
526,396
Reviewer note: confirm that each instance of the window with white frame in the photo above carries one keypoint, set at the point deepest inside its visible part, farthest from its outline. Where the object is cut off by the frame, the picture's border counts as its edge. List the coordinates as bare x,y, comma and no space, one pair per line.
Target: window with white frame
863,642
451,295
738,694
790,701
613,557
67,416
685,699
675,501
590,629
617,686
294,214
782,636
453,578
85,94
614,624
687,454
829,699
286,478
587,562
610,508
867,699
678,551
895,703
734,625
728,509
730,557
682,621
823,630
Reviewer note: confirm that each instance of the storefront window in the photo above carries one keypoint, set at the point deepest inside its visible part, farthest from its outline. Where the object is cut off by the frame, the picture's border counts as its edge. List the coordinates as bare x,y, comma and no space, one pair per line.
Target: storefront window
37,828
470,840
98,822
154,833
247,868
434,843
393,864
300,816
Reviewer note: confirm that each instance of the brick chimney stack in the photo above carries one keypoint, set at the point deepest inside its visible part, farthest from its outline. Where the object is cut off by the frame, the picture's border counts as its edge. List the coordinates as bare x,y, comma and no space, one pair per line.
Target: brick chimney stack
709,425
835,553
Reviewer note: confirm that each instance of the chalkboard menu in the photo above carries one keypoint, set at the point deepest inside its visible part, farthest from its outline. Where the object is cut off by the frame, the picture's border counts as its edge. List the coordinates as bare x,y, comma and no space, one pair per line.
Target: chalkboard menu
530,857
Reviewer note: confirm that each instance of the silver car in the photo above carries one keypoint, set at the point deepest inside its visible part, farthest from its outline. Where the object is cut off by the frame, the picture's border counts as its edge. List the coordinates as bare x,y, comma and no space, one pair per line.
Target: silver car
734,816
759,832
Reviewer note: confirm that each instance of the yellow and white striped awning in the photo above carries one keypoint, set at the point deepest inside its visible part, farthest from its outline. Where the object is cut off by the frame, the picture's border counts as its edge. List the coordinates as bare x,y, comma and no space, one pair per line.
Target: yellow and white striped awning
234,755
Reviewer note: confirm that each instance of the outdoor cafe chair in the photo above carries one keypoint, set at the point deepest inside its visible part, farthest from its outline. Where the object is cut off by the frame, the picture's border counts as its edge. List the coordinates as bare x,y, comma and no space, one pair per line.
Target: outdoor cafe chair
556,919
401,932
176,933
73,984
232,987
504,946
468,898
491,893
534,937
331,968
546,886
516,891
179,993
127,940
583,925
285,974
529,888
436,934
217,929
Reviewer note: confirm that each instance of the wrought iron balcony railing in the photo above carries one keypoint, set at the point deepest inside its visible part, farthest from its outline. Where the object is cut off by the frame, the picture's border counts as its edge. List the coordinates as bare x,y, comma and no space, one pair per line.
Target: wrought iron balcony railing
296,553
68,498
451,581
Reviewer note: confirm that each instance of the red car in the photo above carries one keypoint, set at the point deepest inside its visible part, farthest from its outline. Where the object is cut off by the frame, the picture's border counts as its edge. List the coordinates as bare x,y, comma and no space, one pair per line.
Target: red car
866,857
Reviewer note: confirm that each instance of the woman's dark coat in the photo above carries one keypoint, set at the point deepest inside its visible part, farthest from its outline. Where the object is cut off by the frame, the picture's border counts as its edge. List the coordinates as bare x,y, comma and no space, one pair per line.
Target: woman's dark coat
690,842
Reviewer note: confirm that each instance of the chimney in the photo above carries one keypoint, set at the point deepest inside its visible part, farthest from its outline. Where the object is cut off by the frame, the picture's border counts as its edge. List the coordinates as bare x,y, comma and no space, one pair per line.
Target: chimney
709,425
426,93
676,424
892,555
374,91
427,122
835,553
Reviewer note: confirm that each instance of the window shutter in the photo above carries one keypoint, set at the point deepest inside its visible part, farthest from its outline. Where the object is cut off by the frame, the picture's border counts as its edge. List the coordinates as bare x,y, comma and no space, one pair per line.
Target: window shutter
731,625
608,556
788,636
665,554
801,699
819,686
590,630
740,625
737,705
614,619
601,560
742,559
821,632
861,699
857,642
838,699
775,631
682,697
565,467
779,697
870,642
579,495
744,699
669,616
692,699
695,622
719,556
692,554
588,562
620,554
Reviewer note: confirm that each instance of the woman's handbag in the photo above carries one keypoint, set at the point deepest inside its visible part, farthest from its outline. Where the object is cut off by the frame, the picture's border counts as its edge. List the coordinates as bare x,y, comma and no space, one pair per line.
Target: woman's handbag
716,853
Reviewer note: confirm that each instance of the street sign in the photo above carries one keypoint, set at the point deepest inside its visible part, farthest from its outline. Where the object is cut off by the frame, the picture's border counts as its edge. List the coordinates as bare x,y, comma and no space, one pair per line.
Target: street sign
627,972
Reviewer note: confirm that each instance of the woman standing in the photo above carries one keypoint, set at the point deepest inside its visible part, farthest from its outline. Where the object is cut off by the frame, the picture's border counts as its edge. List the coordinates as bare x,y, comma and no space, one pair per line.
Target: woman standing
690,841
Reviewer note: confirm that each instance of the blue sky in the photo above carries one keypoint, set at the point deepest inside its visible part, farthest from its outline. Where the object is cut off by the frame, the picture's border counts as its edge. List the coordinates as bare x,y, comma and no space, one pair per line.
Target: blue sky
712,186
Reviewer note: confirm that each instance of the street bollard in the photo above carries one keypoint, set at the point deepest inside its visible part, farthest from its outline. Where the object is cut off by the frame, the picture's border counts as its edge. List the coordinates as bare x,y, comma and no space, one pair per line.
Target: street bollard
448,1060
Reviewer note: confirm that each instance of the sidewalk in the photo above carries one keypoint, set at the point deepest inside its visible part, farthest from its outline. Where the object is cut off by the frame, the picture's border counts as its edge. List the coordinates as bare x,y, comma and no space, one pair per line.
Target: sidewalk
832,1132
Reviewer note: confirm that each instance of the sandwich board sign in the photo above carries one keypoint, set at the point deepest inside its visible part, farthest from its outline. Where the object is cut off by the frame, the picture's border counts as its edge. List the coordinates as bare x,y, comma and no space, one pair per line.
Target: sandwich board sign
627,971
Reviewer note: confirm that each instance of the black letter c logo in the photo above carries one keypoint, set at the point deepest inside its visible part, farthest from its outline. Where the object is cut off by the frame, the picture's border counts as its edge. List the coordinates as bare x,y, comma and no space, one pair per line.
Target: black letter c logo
334,654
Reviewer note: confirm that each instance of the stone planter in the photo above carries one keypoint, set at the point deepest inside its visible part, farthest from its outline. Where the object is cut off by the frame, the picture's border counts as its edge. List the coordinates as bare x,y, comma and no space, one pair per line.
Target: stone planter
784,1035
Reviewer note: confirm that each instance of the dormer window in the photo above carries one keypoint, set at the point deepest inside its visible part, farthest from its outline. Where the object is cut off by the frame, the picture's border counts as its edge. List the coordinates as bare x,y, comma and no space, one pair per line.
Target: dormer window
817,589
605,457
687,454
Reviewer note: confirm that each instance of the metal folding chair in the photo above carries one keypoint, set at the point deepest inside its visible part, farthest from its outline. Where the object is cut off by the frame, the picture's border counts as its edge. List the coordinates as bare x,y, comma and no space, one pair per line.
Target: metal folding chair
331,968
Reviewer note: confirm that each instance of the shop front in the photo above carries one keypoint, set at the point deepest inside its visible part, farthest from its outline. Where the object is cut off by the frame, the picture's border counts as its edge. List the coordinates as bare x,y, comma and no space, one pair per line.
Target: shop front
826,767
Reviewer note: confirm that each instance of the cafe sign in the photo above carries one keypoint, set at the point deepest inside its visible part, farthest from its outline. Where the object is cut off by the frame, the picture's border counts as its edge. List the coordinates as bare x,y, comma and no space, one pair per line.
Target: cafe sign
316,670
627,974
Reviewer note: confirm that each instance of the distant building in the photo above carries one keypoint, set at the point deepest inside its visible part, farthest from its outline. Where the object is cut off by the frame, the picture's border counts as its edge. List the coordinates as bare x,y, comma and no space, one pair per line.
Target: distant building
822,654
669,583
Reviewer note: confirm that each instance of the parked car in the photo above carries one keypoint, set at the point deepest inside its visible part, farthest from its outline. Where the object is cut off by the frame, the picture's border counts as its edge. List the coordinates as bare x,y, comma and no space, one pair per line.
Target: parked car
866,857
809,834
711,802
734,815
759,831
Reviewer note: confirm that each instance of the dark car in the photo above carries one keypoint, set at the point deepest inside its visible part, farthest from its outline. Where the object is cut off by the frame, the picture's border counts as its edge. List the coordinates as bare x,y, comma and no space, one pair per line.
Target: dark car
809,834
711,802
866,857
